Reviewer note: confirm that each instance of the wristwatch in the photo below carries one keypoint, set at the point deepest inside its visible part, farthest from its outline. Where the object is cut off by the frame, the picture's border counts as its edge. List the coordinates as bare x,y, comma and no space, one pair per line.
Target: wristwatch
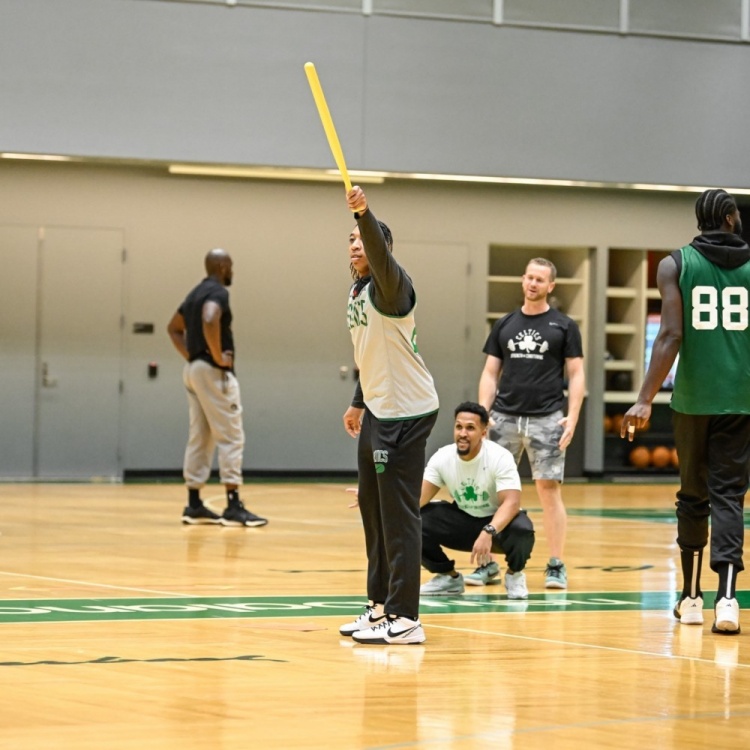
490,529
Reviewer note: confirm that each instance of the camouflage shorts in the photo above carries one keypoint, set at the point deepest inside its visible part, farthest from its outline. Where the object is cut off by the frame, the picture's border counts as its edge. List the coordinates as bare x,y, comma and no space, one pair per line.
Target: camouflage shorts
538,436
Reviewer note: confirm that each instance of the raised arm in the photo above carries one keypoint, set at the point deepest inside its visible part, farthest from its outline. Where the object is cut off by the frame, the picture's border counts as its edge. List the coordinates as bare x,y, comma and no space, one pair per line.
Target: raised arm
393,292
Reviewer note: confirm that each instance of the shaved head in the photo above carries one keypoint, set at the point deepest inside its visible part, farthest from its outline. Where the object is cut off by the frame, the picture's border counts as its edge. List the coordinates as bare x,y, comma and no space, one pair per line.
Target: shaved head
215,258
219,265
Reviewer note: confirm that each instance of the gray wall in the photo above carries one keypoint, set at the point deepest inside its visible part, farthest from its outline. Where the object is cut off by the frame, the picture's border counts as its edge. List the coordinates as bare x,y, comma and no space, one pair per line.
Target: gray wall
290,250
140,82
211,83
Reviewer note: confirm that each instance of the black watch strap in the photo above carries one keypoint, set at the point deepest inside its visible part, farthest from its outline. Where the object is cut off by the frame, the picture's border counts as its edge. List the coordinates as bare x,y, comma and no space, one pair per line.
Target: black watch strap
490,529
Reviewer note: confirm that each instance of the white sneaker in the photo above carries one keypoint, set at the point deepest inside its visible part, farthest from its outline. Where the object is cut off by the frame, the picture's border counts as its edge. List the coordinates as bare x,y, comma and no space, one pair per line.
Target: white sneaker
515,583
398,630
372,615
727,620
443,585
689,610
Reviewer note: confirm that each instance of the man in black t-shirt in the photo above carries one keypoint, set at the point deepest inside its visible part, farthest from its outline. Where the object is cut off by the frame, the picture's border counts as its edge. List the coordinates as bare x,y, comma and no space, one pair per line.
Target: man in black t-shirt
201,331
531,348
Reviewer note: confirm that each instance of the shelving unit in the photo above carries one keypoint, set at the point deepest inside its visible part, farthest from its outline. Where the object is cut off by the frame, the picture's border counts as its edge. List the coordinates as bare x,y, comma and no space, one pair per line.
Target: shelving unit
507,264
659,434
625,324
631,296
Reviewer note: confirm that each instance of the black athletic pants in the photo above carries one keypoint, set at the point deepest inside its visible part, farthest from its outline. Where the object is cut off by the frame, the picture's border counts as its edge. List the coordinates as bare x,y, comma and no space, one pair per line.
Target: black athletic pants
446,525
391,460
714,451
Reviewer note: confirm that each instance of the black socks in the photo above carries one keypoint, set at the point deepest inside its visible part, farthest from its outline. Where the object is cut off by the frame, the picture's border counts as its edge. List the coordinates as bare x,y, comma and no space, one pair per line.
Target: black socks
194,498
692,560
727,581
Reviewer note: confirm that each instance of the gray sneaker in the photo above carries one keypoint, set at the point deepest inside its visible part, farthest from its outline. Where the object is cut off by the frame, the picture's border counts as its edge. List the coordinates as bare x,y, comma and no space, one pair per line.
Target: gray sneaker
443,585
483,575
555,576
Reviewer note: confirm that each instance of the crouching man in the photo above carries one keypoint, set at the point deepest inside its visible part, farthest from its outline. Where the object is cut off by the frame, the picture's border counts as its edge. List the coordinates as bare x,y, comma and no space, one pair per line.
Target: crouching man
485,515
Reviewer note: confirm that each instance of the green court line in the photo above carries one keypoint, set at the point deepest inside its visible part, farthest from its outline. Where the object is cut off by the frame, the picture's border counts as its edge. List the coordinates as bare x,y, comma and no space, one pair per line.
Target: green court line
666,515
255,607
626,514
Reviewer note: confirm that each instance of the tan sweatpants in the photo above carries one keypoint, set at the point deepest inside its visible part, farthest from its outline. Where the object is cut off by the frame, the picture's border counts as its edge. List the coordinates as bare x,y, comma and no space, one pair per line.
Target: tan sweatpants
215,422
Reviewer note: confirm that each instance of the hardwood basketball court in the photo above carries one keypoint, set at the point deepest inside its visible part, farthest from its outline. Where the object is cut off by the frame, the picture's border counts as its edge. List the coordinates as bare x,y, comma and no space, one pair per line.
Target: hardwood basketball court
124,629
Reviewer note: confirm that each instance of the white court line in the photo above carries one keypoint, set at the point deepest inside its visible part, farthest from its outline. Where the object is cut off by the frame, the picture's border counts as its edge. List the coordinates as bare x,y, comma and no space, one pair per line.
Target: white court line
95,584
634,651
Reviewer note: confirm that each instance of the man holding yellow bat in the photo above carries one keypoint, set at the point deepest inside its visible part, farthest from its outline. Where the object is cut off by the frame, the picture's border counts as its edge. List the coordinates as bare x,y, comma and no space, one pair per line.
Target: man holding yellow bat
393,412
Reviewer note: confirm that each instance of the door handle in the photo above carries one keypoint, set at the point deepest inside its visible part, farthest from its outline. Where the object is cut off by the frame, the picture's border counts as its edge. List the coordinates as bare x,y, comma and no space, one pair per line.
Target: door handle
47,381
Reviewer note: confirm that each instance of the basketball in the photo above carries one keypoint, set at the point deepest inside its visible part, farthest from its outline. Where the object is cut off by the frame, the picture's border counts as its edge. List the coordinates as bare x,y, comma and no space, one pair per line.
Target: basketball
607,423
617,422
661,456
675,458
640,457
621,381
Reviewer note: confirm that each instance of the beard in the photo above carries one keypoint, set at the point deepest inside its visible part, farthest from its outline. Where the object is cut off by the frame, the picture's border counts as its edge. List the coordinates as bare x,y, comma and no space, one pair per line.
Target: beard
463,451
535,296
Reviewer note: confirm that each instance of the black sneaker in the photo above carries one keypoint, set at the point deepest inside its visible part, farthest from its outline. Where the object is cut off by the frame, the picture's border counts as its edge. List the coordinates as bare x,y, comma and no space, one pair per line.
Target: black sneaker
239,515
200,514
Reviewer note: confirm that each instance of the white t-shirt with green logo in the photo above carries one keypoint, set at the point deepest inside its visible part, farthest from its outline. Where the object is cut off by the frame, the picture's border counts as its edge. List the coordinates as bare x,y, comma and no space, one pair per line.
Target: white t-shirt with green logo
474,484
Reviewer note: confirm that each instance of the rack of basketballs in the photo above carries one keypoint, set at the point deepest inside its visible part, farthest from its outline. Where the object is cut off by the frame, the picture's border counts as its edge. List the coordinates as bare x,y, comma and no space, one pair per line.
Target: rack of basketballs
651,450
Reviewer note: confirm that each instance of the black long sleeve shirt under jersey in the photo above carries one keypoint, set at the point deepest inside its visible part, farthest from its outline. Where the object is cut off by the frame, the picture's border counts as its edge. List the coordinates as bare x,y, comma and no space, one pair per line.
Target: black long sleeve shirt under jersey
391,289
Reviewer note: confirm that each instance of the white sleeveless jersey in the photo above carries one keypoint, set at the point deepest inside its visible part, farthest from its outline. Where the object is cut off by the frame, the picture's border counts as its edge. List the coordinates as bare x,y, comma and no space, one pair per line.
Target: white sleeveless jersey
396,383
